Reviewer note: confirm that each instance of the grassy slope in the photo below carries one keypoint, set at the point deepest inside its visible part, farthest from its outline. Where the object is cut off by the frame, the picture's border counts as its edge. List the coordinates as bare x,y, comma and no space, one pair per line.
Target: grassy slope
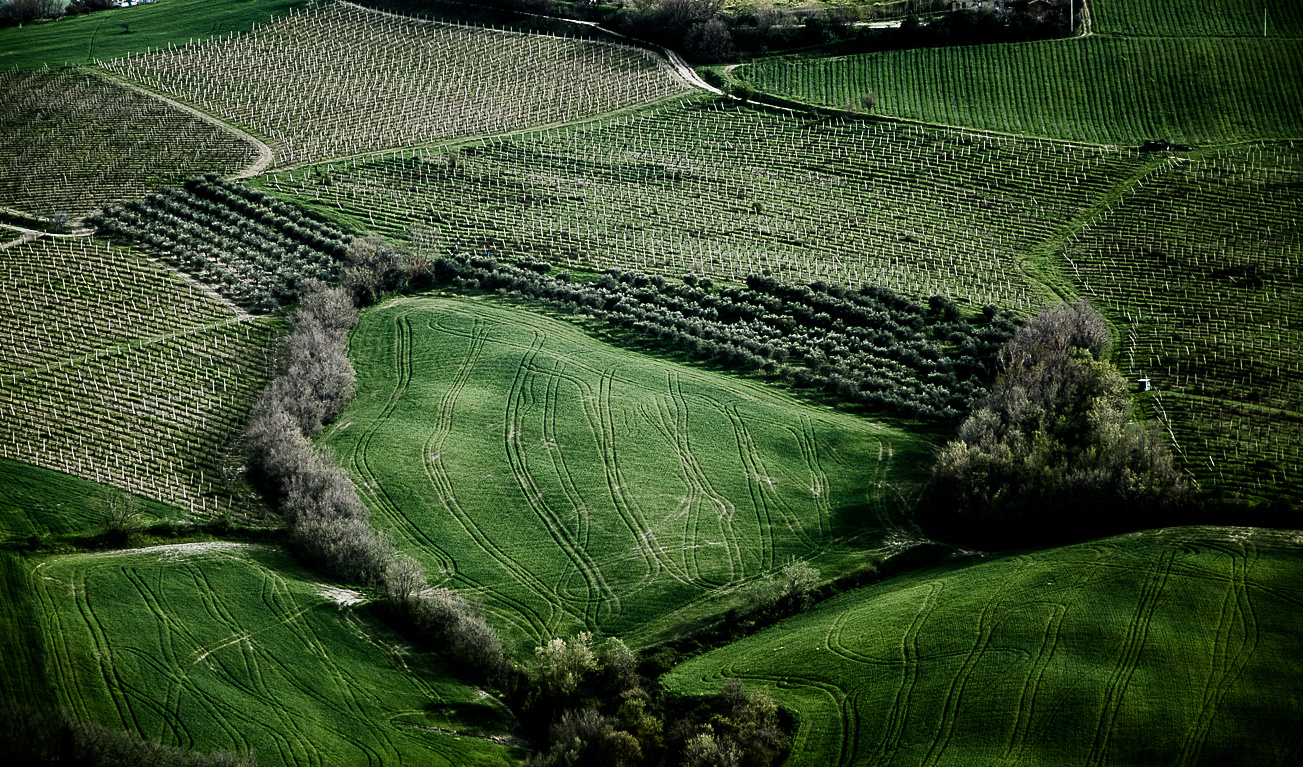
1193,73
1187,90
576,486
81,39
237,648
1164,647
35,501
22,652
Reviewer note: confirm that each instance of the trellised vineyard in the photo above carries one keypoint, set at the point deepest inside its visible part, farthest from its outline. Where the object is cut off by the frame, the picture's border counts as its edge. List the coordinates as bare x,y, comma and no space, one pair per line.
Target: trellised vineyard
71,141
254,249
119,372
1202,267
725,191
377,80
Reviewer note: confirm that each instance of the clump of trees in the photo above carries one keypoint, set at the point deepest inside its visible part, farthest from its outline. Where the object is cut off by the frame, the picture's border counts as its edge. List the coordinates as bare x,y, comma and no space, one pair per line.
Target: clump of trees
588,705
328,523
1052,451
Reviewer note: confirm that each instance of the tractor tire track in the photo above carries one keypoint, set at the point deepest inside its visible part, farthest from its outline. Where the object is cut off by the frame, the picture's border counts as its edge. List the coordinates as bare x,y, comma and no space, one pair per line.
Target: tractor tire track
911,654
599,591
1226,664
1129,660
436,472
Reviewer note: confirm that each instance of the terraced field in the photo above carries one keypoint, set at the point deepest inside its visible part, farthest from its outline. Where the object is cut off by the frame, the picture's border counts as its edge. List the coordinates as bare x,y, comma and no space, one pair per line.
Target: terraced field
1201,266
574,486
71,141
724,190
233,646
379,81
116,370
1173,646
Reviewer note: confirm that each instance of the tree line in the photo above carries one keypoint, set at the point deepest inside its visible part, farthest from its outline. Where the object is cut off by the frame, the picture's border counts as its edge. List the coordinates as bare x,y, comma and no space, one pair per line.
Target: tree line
1052,452
869,347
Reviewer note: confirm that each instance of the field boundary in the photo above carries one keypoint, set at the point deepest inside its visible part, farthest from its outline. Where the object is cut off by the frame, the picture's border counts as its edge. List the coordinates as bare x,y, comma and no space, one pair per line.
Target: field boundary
265,153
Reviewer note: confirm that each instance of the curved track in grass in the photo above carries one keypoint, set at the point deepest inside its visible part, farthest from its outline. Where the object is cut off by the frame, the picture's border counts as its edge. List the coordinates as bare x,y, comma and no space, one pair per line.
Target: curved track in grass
1177,646
575,486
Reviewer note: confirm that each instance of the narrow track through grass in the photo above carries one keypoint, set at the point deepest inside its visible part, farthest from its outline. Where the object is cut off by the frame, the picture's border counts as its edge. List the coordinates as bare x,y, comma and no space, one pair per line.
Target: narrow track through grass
234,646
574,486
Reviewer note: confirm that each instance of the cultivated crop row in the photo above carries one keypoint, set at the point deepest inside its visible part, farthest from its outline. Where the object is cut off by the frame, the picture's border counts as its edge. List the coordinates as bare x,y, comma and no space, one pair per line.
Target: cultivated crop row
1186,90
147,391
342,80
71,141
866,346
725,191
254,249
1202,266
1211,18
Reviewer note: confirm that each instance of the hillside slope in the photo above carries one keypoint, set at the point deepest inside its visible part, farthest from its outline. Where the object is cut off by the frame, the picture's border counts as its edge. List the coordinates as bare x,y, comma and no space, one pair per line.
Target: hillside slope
1177,646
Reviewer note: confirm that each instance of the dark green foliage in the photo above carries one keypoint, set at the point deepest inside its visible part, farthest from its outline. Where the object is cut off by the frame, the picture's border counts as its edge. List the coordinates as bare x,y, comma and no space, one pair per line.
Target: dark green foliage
588,706
253,248
1052,449
869,346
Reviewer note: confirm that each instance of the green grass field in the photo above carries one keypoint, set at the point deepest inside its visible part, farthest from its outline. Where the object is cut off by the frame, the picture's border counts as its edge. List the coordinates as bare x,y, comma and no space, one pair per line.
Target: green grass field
1179,646
36,501
575,486
231,646
1190,90
82,39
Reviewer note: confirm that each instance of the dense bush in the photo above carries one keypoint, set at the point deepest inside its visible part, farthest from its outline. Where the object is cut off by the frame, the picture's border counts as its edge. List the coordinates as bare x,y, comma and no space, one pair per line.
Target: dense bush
588,705
1052,451
869,346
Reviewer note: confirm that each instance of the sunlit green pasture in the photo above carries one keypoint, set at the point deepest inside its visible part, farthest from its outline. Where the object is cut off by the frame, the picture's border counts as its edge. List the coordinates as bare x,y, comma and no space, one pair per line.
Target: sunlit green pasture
233,647
572,485
110,34
1179,646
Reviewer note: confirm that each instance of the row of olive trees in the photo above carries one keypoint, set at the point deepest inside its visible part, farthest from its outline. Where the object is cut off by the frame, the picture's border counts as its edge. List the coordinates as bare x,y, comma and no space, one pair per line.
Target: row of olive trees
328,523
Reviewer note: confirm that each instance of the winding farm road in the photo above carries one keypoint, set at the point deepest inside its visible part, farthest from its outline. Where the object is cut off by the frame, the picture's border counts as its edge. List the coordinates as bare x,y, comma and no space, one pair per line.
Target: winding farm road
265,155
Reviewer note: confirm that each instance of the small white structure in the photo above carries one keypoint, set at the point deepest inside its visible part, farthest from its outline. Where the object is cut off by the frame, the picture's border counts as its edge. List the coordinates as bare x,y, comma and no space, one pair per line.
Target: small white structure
1143,384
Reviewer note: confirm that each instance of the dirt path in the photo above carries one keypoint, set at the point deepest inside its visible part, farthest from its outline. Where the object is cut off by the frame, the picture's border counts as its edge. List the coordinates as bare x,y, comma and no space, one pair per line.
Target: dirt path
265,154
